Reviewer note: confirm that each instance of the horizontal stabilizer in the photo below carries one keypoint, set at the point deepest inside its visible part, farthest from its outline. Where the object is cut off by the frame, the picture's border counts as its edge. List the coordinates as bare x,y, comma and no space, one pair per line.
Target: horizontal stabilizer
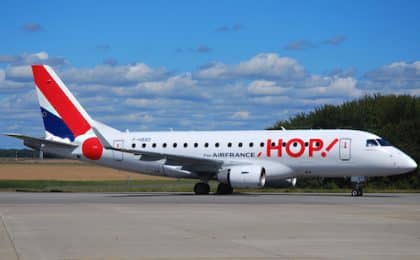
38,143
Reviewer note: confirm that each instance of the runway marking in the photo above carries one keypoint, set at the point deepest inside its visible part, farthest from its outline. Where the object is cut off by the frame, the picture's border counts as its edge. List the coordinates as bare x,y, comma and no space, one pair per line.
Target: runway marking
7,246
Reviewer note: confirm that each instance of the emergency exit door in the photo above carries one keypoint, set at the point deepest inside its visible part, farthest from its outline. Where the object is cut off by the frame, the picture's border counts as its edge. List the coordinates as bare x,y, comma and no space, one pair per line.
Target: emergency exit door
117,155
345,149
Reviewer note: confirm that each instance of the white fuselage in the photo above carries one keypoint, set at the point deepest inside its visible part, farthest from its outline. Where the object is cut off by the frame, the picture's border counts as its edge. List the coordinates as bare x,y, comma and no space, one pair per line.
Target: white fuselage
283,154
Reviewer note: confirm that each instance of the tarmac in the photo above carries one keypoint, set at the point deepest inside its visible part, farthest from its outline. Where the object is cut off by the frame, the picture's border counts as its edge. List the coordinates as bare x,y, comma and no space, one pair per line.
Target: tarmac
185,226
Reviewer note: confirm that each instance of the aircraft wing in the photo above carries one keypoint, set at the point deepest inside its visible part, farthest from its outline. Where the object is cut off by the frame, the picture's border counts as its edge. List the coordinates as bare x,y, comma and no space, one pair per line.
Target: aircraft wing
189,163
38,143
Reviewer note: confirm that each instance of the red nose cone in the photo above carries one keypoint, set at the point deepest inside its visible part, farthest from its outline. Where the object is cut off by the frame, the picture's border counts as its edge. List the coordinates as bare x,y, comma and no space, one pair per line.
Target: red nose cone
92,148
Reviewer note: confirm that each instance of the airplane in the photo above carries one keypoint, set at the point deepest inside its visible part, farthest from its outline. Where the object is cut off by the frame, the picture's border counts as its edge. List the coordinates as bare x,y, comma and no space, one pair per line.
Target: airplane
236,159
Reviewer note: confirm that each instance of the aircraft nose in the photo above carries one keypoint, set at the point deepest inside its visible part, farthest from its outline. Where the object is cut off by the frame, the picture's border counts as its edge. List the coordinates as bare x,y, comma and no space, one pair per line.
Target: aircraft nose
408,164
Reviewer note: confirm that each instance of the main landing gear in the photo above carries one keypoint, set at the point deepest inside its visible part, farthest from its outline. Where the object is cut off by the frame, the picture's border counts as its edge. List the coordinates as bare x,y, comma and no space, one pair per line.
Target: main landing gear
224,188
357,182
202,188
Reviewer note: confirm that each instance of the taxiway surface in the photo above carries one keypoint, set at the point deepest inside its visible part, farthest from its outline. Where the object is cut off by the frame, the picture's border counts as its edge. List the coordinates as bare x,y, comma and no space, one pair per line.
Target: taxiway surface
177,225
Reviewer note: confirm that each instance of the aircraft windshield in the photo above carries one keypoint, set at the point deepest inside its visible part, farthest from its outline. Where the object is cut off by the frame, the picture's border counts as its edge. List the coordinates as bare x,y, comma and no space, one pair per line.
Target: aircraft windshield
371,142
384,142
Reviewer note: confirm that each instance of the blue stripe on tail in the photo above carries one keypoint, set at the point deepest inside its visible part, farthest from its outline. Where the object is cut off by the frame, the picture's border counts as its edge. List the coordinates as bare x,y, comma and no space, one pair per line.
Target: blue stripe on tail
56,125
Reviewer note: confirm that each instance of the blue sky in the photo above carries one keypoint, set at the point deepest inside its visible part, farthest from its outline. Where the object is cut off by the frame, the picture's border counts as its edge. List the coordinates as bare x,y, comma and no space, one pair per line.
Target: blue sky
195,65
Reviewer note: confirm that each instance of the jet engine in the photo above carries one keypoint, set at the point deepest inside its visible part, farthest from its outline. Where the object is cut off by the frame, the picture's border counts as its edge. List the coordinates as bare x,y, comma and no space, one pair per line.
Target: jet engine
243,176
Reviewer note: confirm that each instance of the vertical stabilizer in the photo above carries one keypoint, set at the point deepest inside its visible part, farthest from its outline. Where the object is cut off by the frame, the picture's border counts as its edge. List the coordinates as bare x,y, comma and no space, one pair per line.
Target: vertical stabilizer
63,116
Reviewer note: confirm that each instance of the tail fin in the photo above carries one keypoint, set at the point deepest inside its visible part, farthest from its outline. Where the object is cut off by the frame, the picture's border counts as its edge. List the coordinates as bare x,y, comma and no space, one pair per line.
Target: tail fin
63,116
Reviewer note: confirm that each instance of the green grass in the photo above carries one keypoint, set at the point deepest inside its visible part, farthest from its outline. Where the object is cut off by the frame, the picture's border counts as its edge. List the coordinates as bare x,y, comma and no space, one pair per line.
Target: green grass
180,185
97,186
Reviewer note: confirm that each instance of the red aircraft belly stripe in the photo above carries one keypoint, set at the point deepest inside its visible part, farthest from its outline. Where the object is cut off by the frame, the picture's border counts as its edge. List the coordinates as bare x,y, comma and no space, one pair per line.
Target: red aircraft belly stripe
61,103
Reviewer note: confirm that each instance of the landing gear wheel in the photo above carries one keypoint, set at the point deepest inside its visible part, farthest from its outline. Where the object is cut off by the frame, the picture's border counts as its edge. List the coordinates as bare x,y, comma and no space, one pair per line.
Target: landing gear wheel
357,182
202,188
357,192
224,188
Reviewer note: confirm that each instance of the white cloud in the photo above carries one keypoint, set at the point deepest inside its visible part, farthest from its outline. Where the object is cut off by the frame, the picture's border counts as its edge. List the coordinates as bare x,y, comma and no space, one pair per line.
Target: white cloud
38,56
130,117
21,73
32,58
336,87
176,86
281,101
2,75
140,102
138,71
313,87
241,115
114,75
179,82
264,65
397,76
265,87
270,65
215,70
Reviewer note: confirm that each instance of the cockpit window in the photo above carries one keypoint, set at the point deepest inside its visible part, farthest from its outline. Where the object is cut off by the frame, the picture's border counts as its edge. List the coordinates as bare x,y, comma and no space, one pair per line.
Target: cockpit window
384,142
371,142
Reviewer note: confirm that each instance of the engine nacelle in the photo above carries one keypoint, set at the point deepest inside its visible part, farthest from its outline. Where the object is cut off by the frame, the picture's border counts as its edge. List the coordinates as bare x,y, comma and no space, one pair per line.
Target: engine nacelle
248,176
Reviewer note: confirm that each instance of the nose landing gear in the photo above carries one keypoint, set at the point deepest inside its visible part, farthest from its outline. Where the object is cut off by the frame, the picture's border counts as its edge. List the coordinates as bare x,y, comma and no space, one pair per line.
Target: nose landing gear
357,182
356,192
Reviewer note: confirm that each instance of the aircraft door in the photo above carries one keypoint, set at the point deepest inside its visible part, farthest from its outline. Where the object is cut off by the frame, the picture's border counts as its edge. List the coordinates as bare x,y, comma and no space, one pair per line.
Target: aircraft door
117,155
345,149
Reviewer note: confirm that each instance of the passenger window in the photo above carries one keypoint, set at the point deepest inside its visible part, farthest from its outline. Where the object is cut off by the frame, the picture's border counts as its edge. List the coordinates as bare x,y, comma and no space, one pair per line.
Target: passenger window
164,145
185,145
262,144
174,145
229,144
133,145
217,145
240,144
251,144
143,145
195,145
371,142
206,145
154,145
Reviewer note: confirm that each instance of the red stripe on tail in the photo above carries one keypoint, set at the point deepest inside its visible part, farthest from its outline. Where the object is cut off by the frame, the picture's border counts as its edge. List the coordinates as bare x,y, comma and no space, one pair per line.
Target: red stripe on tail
59,100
